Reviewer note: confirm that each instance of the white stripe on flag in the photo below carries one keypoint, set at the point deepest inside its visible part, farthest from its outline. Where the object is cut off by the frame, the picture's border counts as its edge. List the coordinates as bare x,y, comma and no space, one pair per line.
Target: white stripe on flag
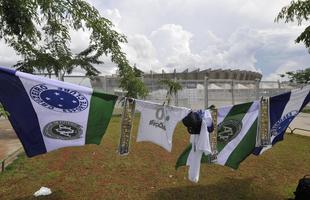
295,102
222,112
46,115
55,83
247,122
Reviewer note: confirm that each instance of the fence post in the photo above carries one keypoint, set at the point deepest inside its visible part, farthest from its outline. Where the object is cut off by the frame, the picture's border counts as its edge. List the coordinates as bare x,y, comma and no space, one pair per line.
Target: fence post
176,97
232,92
152,81
105,82
206,99
279,86
257,88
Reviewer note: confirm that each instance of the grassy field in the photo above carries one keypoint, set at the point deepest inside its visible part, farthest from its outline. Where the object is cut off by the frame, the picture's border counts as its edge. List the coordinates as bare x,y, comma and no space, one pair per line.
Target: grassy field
98,172
306,110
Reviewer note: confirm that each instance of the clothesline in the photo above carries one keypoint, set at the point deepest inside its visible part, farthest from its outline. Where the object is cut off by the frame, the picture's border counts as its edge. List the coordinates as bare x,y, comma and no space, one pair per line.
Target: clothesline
49,114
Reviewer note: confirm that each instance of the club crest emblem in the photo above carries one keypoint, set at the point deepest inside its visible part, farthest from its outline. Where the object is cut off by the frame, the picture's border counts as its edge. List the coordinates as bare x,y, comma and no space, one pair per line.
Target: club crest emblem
63,130
228,130
280,126
58,99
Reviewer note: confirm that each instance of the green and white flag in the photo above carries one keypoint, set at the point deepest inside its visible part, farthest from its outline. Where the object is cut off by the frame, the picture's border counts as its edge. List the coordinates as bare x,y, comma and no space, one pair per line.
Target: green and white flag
237,132
236,137
49,114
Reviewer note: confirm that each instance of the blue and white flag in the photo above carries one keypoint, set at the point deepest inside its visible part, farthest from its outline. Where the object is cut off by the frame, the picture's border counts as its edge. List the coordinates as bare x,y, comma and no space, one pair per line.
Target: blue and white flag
283,109
49,114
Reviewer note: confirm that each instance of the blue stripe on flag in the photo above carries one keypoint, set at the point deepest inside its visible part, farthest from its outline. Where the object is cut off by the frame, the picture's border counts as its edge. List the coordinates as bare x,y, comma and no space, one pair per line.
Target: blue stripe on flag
257,151
306,101
280,137
277,106
7,70
22,115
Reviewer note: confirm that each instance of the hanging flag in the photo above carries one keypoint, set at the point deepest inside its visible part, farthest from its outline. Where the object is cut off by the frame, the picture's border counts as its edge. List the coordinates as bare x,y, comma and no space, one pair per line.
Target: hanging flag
157,122
237,130
236,137
283,109
49,114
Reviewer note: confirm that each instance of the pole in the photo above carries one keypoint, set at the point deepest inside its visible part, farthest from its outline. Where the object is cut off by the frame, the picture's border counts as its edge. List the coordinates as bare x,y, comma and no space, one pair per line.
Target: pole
152,81
206,99
257,89
176,96
232,92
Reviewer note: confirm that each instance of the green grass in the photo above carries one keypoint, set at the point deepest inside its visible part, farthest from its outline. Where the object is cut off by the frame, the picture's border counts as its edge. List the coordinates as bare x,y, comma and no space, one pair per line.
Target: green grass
306,110
98,172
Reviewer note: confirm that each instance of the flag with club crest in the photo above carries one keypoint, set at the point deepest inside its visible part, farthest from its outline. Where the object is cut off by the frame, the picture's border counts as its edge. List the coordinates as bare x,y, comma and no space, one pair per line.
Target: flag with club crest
283,109
236,137
49,114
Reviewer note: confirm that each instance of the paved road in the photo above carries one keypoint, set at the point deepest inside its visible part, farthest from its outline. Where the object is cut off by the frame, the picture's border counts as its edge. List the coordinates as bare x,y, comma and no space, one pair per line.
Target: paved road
301,121
9,142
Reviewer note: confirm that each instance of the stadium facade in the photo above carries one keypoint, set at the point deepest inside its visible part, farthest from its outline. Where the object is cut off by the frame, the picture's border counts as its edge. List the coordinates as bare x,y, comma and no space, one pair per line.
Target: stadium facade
188,76
211,74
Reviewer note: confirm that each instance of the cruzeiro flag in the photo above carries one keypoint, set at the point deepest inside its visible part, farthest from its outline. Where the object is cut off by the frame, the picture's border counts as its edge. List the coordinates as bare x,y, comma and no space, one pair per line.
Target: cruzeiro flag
283,109
49,114
236,138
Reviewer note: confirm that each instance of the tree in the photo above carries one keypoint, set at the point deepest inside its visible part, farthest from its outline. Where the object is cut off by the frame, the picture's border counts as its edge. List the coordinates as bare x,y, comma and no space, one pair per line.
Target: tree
300,11
131,82
300,76
172,89
39,31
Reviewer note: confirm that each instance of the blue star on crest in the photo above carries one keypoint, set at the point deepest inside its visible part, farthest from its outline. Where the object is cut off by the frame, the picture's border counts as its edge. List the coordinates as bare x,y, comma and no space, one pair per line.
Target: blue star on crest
59,99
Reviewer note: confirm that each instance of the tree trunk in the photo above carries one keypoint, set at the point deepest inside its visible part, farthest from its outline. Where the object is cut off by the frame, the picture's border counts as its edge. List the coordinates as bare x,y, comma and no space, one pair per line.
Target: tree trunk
61,76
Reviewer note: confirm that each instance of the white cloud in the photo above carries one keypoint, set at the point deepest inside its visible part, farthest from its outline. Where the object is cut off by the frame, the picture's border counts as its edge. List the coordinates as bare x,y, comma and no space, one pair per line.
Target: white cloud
79,40
8,57
169,47
289,66
197,33
240,50
140,51
114,16
227,34
172,45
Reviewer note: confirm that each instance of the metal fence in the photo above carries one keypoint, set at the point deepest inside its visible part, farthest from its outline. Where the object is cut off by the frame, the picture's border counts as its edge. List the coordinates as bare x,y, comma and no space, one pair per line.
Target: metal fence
195,94
10,158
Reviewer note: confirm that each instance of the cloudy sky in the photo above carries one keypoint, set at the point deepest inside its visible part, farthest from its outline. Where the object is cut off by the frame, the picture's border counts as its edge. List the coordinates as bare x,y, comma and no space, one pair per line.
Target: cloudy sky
227,34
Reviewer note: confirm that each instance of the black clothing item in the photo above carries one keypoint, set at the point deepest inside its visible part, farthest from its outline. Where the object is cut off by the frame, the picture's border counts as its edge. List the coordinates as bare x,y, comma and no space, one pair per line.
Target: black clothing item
193,123
303,189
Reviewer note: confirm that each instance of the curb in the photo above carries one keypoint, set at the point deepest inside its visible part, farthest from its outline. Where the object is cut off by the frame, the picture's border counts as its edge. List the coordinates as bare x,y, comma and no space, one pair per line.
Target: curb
10,158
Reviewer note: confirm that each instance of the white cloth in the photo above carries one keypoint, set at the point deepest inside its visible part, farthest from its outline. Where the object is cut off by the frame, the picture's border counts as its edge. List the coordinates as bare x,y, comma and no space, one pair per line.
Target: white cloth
157,122
43,191
200,144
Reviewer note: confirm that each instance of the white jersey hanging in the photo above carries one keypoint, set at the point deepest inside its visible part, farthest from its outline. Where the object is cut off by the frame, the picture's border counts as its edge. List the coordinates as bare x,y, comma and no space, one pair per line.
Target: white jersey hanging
157,122
200,145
